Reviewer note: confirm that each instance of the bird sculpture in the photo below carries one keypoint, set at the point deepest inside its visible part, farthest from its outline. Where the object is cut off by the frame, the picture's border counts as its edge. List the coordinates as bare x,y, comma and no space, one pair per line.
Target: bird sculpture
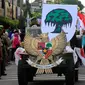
56,44
44,49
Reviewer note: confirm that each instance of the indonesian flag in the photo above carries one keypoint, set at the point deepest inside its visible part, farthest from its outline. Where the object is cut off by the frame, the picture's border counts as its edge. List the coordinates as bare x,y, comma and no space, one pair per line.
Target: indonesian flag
81,18
81,54
80,24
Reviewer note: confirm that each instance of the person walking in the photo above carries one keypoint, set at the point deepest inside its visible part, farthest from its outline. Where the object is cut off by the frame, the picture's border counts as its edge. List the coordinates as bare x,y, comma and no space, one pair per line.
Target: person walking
15,43
3,53
0,56
0,49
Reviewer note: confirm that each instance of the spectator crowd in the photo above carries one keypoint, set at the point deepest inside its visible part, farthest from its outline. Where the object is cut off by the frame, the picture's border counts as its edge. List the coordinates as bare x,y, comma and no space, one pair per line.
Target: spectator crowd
9,41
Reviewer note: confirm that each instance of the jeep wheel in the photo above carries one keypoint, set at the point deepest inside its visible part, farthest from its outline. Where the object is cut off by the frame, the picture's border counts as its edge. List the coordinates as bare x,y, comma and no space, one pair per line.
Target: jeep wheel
70,70
70,78
22,77
76,75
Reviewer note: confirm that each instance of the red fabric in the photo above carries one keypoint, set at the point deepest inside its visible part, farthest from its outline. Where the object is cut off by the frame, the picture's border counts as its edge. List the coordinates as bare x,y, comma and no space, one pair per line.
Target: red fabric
82,17
82,52
15,42
41,45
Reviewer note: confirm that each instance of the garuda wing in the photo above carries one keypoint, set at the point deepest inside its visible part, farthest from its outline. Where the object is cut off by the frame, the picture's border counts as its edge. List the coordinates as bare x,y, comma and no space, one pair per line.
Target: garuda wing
31,45
58,43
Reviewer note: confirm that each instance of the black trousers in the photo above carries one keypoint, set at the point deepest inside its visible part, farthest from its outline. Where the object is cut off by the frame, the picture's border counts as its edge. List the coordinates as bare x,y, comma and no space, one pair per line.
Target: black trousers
0,69
22,36
3,65
12,57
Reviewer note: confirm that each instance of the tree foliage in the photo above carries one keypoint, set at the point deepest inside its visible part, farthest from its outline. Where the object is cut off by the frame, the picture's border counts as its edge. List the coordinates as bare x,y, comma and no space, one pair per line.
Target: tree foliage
76,2
70,2
10,22
36,14
80,5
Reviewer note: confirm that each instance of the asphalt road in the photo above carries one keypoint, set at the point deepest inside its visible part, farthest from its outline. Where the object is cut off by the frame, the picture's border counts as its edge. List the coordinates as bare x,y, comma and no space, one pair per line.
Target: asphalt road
11,78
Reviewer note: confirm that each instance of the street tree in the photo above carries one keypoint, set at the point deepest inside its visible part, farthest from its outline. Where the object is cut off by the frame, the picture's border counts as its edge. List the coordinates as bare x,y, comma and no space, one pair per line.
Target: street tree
80,5
70,1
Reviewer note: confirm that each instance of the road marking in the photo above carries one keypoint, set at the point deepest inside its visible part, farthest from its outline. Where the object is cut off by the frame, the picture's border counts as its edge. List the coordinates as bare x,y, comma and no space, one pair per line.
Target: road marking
13,77
8,80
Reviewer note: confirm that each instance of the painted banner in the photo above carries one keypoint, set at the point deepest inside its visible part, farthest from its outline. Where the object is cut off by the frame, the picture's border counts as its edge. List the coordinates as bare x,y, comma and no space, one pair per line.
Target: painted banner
57,18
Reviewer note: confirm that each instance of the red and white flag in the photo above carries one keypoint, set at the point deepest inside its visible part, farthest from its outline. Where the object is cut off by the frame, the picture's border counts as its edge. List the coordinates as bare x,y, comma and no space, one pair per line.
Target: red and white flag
81,19
81,54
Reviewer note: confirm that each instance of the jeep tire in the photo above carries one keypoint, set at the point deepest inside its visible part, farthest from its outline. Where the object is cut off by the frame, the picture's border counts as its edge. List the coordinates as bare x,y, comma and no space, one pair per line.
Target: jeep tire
23,74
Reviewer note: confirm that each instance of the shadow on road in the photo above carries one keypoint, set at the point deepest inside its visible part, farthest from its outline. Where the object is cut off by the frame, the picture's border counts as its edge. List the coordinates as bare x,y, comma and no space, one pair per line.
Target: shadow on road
47,83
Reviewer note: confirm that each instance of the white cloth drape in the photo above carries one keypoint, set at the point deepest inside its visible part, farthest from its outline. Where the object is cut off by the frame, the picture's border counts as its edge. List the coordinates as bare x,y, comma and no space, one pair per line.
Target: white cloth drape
69,49
17,53
79,55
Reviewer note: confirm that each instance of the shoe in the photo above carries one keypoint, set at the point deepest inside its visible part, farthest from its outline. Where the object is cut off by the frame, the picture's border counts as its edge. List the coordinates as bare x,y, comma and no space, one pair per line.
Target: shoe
4,74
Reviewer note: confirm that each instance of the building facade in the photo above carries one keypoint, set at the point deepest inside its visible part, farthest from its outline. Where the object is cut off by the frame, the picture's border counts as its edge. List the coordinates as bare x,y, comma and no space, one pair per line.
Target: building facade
36,5
9,8
1,9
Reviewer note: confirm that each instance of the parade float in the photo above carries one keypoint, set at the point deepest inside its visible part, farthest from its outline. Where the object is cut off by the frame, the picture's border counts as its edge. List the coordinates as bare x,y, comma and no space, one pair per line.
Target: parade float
49,52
